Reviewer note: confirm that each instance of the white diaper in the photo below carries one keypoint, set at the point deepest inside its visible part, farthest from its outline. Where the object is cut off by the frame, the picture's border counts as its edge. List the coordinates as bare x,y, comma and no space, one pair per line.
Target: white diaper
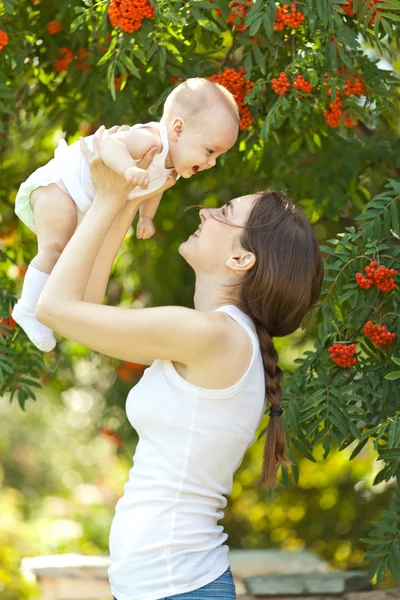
41,177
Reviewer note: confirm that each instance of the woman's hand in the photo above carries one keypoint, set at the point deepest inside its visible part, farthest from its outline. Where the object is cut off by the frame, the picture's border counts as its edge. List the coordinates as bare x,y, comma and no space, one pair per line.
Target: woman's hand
112,188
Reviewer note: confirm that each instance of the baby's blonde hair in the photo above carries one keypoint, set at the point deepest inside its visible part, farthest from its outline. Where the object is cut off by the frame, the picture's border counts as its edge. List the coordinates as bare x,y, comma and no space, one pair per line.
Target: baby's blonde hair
193,97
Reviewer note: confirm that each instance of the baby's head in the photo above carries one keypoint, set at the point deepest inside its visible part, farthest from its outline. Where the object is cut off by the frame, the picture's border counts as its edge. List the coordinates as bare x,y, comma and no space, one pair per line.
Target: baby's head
202,119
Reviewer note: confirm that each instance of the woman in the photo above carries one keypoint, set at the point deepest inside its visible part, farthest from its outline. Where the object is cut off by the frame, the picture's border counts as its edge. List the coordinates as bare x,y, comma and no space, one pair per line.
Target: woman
197,408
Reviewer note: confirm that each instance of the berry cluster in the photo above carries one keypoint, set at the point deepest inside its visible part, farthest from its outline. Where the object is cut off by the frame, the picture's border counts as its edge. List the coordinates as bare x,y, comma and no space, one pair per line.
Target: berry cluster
62,64
113,437
379,334
290,18
3,39
350,121
343,354
302,85
118,81
354,86
81,63
334,113
281,84
54,27
126,370
350,12
237,84
238,11
348,8
6,325
129,14
380,276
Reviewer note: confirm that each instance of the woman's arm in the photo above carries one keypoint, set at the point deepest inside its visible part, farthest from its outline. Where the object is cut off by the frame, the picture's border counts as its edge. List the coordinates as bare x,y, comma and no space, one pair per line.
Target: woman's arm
97,284
100,274
173,333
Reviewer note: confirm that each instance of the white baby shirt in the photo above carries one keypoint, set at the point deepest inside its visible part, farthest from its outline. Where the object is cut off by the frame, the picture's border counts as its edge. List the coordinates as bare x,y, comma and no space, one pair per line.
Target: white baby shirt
75,174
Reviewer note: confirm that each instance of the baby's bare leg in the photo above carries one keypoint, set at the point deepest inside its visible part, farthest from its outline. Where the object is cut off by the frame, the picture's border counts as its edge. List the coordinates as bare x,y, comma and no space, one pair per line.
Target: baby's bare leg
55,221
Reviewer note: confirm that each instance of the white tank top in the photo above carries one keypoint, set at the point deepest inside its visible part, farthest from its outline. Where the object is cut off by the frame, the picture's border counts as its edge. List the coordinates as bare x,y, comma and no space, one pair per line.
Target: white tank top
164,537
75,173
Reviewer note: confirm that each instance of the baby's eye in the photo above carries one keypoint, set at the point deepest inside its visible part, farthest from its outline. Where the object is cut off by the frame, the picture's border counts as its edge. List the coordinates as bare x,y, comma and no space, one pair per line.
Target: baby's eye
223,210
209,152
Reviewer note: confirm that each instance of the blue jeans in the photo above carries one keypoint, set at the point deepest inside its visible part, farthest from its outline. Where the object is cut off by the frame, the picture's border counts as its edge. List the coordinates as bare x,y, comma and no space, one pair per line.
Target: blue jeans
221,588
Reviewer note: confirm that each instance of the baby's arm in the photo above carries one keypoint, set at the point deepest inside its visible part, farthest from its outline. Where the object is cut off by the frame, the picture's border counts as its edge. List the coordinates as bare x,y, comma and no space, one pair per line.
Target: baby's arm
145,226
120,150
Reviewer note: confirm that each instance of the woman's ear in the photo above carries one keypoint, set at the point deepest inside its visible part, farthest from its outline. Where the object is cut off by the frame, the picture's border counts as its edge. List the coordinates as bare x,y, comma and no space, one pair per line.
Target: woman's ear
241,262
177,127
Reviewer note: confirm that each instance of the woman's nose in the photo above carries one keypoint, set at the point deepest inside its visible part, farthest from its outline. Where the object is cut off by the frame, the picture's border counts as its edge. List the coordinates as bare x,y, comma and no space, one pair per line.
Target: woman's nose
204,213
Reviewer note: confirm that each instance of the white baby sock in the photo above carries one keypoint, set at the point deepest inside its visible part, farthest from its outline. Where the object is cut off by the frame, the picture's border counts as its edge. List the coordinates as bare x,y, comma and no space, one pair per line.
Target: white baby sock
24,310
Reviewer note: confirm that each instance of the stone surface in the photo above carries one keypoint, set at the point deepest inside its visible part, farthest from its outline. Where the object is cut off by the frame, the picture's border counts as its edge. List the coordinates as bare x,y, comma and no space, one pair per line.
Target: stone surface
307,583
374,595
64,565
245,563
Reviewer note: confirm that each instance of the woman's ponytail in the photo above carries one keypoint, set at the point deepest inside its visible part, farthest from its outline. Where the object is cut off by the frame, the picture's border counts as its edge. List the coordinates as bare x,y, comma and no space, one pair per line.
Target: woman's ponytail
275,442
277,293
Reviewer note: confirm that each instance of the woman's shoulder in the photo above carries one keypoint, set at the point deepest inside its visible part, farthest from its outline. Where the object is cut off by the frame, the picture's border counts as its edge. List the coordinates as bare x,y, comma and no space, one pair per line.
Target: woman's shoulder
221,363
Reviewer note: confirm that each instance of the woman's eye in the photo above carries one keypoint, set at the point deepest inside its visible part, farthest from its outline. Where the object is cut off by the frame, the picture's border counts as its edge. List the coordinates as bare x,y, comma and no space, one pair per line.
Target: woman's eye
223,210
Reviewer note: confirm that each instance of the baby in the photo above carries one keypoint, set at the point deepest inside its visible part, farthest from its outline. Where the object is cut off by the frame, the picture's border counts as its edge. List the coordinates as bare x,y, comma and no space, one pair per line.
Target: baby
200,122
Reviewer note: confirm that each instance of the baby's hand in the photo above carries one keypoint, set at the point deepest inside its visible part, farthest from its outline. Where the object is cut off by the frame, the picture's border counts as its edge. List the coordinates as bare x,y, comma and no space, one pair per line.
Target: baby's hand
139,177
145,228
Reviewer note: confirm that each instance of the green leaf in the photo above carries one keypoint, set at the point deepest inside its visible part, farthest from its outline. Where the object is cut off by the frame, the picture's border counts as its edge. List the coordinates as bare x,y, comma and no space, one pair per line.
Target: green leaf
303,449
392,433
374,542
393,375
248,65
295,145
110,79
395,218
268,24
392,16
317,140
387,27
358,449
386,527
326,443
77,23
255,26
130,65
347,295
259,58
106,57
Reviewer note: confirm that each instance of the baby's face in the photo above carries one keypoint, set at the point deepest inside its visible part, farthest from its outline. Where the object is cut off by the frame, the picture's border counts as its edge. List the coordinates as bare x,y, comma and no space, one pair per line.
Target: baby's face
200,144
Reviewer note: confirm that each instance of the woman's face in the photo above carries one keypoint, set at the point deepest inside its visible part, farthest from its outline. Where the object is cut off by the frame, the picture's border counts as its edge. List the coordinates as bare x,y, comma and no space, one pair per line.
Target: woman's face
212,248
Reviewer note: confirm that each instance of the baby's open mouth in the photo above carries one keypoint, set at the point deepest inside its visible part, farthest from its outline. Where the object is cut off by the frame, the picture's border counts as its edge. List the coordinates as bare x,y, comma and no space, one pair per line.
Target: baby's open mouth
195,169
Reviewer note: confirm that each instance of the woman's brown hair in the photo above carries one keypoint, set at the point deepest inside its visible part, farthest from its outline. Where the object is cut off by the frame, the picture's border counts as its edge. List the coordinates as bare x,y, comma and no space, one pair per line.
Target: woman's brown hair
277,293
